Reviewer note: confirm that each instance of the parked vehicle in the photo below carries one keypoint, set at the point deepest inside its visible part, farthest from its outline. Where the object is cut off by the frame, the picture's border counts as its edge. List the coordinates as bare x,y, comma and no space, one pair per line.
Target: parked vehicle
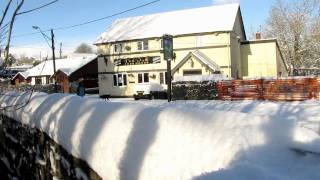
7,73
149,91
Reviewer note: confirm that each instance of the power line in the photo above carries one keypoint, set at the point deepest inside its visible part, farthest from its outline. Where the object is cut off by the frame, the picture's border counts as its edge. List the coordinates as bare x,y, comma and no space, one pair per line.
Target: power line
27,45
106,17
37,8
5,25
91,21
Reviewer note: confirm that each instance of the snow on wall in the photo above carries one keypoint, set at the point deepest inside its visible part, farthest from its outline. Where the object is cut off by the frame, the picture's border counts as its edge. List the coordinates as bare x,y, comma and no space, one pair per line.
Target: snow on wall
181,140
201,78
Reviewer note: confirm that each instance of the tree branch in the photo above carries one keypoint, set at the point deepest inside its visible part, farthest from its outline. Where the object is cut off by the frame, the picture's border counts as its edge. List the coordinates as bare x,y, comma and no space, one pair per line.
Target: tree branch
5,12
6,55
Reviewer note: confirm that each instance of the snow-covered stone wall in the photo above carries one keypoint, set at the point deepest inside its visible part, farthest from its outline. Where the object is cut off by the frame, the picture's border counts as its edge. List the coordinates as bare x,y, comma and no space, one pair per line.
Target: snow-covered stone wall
28,152
180,140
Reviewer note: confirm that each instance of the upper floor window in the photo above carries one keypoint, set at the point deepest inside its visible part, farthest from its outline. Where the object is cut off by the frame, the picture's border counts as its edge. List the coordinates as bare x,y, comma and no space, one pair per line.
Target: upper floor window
143,45
118,47
199,41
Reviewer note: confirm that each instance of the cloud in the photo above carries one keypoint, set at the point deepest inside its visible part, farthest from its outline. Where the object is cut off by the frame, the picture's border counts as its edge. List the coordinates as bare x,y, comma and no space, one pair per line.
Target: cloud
35,51
225,1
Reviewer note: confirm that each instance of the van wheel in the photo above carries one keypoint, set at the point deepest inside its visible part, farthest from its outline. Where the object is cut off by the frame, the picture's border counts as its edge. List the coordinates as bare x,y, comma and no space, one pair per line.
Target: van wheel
151,97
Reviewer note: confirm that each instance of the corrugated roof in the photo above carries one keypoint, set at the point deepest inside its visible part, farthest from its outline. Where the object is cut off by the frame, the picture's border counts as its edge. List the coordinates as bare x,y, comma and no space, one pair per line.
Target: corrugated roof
207,19
67,65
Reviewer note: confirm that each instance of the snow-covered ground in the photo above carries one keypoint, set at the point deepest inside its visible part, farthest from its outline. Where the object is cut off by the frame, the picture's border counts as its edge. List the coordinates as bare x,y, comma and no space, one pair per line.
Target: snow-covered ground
200,140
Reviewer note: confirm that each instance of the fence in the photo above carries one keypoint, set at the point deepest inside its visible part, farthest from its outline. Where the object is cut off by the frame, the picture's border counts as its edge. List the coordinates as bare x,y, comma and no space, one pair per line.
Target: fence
269,89
49,88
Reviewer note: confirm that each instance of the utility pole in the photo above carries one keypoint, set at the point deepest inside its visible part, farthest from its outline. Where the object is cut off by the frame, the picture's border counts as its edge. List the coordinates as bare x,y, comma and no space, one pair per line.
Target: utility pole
53,54
169,80
167,45
60,51
54,62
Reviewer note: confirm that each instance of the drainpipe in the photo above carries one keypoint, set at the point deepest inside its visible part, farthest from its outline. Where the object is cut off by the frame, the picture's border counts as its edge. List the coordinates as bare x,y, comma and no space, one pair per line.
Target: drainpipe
229,53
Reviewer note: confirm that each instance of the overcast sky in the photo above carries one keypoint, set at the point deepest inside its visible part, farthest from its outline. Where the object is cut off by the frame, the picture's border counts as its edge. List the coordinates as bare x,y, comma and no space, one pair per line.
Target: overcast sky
69,12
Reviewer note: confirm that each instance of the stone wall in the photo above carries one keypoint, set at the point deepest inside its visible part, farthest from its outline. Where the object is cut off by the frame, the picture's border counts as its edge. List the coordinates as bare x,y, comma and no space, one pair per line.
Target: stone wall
206,90
27,153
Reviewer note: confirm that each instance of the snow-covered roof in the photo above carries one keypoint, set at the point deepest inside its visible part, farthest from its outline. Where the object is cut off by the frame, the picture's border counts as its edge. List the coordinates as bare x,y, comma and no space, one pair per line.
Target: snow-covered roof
24,66
23,74
67,65
206,19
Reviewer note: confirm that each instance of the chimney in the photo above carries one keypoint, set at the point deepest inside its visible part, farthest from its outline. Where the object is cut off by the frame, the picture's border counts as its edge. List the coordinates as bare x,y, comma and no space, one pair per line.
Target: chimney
258,35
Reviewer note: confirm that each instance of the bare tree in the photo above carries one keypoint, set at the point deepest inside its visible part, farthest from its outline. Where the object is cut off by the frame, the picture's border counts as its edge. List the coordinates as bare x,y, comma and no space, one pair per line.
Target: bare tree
2,27
84,48
8,27
292,23
6,50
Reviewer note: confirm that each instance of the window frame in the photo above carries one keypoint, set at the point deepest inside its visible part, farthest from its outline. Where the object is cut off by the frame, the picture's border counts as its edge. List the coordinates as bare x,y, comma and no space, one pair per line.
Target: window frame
116,80
38,81
143,45
192,72
199,41
117,46
163,78
143,75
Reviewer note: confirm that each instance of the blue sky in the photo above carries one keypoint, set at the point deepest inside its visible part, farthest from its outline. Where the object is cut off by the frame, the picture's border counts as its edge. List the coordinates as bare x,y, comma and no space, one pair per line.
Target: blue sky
69,12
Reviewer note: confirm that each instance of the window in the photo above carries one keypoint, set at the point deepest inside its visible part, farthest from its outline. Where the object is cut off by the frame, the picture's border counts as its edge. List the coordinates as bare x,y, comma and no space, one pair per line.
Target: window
47,80
118,47
115,80
38,80
140,80
119,80
143,45
163,78
146,77
199,41
192,72
143,77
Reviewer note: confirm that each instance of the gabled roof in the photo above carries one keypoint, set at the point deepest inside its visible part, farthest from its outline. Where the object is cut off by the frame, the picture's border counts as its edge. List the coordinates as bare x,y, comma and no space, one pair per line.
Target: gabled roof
199,20
68,65
23,74
202,58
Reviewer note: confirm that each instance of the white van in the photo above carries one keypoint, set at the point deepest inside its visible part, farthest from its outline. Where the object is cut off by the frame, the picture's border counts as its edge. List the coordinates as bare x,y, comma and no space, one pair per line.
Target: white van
149,91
